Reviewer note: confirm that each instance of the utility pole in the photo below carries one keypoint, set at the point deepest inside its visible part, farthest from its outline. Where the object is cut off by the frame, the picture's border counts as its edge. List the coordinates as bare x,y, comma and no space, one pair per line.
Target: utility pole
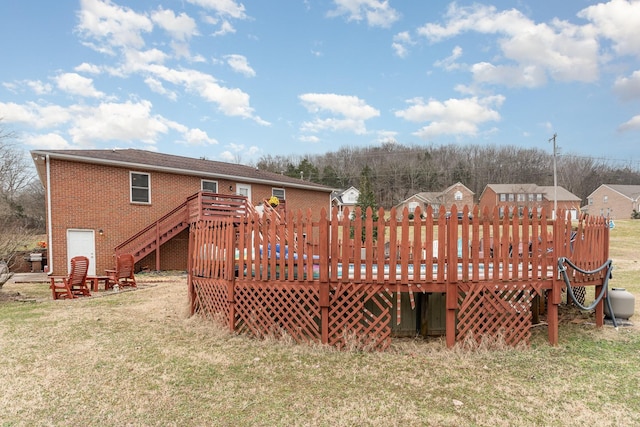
555,176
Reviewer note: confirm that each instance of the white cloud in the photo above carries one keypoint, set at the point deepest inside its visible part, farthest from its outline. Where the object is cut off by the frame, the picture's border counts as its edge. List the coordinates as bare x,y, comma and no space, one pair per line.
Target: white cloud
87,68
198,137
156,86
452,117
240,64
618,21
38,87
116,121
228,8
309,138
181,27
561,50
400,43
77,85
377,13
34,115
352,110
449,63
232,102
112,25
632,125
628,87
49,141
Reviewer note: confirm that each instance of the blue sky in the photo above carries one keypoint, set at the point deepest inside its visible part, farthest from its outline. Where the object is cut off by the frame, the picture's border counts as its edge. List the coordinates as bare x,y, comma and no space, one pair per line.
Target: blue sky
232,81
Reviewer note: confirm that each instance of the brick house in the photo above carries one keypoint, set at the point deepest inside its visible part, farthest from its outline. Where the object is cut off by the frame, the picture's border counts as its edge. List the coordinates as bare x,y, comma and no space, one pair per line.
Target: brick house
98,199
515,197
457,194
612,200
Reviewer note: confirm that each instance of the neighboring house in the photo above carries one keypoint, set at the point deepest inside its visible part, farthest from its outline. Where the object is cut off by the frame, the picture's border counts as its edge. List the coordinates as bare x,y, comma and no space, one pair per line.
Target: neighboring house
457,194
345,199
98,199
515,197
611,200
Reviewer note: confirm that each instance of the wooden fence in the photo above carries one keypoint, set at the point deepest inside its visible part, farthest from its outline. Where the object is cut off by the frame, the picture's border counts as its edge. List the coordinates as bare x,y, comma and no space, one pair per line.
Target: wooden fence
339,280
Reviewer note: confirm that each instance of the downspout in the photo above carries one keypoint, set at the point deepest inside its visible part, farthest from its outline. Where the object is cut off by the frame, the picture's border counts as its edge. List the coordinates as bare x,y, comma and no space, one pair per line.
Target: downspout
49,222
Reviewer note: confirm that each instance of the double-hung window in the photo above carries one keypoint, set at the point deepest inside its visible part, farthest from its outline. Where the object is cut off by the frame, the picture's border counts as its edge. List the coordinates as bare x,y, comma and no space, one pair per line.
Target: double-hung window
278,192
211,186
140,187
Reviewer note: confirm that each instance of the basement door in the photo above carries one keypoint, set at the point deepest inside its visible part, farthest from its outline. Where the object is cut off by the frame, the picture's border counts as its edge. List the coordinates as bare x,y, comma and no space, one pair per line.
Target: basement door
82,242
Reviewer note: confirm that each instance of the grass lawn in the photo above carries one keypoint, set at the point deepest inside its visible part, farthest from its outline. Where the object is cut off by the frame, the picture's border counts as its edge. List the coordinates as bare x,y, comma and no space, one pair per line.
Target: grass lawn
136,358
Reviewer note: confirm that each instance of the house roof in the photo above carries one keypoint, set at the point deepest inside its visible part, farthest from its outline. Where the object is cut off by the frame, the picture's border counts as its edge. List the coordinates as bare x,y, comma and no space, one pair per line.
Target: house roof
149,160
547,190
432,197
337,194
630,191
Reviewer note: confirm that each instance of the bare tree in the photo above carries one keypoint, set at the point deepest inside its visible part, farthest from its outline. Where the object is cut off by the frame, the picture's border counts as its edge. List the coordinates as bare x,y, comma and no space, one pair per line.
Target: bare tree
17,180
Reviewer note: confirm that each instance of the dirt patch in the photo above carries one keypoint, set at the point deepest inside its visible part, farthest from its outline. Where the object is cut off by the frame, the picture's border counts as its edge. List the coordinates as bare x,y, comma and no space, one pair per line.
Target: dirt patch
10,296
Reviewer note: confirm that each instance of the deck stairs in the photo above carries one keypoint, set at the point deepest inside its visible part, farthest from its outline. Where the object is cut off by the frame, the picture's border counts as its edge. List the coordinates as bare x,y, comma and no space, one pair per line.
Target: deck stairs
202,205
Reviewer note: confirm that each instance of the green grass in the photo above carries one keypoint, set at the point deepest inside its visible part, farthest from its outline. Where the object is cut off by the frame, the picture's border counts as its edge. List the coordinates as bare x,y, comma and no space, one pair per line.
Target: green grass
136,358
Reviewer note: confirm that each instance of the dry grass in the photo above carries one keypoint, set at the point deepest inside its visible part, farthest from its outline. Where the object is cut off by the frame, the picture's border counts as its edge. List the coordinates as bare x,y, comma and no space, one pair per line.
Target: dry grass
136,358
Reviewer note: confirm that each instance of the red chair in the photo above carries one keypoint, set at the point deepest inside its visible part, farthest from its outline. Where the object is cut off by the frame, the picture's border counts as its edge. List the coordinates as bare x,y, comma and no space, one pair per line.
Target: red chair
73,285
123,273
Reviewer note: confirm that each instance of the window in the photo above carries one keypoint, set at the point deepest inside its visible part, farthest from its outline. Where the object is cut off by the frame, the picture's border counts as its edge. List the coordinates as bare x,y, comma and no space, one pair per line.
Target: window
457,195
539,197
278,192
503,197
211,186
590,202
532,197
521,197
140,187
605,199
511,197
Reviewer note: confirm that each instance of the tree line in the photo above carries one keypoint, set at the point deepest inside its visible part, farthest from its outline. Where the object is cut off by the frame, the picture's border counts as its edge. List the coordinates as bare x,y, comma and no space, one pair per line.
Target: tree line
22,208
397,171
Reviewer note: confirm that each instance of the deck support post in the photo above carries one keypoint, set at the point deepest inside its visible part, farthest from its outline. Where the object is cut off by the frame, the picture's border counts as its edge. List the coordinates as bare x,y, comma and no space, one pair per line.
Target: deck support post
323,255
452,307
554,298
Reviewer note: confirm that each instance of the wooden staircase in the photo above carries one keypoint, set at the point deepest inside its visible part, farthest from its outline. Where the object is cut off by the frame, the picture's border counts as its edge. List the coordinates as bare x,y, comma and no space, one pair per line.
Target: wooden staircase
202,205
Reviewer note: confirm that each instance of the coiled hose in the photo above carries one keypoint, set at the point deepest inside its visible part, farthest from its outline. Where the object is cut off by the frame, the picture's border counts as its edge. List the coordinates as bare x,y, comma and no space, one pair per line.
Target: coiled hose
603,293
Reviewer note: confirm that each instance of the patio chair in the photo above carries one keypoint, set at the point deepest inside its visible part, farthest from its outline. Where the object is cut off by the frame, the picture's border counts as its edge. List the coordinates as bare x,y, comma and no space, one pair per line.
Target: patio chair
123,273
73,285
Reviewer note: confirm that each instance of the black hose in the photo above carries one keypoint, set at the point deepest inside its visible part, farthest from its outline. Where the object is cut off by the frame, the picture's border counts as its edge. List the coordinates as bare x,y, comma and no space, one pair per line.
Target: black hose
605,286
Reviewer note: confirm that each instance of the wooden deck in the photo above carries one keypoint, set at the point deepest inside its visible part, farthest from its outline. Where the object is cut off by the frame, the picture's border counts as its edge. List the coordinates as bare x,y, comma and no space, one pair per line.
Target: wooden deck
335,280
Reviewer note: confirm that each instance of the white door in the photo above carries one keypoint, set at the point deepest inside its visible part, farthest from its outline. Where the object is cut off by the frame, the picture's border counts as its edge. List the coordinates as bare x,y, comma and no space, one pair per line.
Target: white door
82,242
243,190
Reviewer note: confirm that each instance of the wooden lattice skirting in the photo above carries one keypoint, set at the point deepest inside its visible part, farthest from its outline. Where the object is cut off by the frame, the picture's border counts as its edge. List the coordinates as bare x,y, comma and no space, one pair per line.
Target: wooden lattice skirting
496,310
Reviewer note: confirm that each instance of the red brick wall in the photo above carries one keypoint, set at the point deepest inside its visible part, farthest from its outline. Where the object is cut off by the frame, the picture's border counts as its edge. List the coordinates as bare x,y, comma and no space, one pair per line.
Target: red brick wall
96,197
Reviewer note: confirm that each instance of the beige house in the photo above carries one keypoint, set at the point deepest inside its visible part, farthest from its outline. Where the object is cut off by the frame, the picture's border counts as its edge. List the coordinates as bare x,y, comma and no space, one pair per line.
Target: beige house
614,201
515,197
457,194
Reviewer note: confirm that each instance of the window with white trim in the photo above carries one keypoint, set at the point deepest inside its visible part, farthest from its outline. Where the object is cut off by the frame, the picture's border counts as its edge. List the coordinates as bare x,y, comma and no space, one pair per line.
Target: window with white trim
503,197
140,187
278,192
457,195
207,185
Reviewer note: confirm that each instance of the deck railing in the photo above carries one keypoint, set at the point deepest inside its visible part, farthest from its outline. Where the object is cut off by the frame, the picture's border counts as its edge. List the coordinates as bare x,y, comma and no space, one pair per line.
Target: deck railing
453,254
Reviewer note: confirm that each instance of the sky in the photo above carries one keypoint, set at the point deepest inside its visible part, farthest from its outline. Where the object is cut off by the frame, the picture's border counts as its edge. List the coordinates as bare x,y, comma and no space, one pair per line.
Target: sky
234,81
